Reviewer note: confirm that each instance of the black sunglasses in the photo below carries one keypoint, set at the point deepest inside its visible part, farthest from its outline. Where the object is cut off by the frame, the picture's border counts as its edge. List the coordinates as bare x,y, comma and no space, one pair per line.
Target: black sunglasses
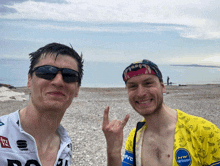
49,72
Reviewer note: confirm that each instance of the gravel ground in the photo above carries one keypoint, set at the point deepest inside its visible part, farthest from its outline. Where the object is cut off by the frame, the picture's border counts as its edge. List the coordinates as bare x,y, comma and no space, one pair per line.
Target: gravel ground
83,119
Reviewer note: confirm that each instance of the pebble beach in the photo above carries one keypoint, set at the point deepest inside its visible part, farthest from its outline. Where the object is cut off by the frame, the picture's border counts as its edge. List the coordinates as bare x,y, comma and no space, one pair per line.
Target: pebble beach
83,119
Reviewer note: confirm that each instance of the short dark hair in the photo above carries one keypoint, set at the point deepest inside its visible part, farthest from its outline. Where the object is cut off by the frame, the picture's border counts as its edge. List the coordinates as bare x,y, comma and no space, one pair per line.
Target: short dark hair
57,49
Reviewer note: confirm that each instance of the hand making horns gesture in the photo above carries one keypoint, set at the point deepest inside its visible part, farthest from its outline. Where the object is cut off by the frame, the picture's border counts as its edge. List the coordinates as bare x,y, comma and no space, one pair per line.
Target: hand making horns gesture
113,133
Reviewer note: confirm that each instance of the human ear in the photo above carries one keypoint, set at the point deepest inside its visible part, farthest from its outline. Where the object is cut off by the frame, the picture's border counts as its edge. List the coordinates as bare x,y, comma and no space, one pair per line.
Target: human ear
29,81
163,87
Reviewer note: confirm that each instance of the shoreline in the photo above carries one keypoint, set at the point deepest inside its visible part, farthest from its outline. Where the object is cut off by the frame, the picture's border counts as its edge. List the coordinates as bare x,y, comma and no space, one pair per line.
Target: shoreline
165,83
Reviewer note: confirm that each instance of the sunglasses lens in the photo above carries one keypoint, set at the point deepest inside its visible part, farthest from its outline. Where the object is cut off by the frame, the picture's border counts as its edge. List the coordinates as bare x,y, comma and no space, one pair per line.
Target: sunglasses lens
69,75
46,72
50,72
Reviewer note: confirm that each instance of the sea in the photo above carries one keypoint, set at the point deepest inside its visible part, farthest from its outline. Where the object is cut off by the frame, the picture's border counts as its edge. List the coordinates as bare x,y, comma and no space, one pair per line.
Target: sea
107,74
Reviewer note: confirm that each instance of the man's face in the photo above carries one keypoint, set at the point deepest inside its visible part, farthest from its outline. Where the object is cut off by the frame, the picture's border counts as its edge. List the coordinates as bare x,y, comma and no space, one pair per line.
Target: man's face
53,94
145,93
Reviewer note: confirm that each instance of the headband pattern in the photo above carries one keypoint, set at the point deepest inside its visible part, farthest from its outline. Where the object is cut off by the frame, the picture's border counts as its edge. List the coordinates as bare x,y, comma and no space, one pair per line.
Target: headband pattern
141,67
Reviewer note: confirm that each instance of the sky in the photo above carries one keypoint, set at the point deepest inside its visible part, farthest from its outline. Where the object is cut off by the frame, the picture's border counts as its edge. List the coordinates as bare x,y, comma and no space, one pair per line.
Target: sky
163,31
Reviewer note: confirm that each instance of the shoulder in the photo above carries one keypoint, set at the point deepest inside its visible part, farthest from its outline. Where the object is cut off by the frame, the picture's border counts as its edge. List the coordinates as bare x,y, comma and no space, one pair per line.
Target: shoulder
11,115
192,120
4,119
196,125
8,121
65,138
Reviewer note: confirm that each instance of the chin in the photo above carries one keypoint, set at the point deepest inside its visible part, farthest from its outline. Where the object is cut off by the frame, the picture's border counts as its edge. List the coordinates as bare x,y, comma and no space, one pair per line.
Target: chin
146,111
55,106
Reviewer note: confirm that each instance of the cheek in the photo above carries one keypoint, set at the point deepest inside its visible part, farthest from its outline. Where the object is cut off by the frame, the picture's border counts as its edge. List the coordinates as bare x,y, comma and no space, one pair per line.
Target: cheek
73,92
38,86
131,96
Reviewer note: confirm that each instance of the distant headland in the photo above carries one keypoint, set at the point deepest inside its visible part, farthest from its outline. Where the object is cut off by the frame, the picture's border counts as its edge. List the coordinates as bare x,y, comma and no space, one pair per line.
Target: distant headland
196,65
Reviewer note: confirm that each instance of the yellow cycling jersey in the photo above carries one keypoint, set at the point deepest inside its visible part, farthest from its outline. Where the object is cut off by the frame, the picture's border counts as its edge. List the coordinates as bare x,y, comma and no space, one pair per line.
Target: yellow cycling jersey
196,142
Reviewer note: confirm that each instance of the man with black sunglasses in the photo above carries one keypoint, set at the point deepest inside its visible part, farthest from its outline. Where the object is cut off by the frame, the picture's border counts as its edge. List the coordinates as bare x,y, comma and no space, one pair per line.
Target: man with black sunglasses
166,137
33,135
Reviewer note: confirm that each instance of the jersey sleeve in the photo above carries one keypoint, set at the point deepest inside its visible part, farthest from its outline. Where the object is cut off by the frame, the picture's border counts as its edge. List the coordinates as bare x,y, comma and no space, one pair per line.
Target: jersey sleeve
210,153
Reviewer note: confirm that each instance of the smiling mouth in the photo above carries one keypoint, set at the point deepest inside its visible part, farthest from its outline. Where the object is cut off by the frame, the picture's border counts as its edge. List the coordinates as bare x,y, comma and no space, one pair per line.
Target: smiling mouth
144,102
56,93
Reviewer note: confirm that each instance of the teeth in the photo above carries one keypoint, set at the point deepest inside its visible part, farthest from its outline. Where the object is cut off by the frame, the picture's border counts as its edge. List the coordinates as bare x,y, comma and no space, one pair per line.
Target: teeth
145,102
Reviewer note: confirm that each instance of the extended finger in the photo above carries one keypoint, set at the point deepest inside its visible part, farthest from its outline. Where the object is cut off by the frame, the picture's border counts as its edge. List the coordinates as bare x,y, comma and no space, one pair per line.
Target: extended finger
105,117
125,120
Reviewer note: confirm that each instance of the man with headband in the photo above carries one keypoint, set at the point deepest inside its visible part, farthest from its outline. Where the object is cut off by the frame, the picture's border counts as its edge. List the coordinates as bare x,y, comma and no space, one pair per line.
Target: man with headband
166,136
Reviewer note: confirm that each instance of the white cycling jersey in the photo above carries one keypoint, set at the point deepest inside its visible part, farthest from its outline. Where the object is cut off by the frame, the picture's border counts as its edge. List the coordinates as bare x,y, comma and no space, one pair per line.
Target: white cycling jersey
18,148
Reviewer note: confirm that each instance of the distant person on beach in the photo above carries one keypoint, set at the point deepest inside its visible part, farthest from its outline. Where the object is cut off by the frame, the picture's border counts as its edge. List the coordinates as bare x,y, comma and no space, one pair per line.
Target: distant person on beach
166,136
33,135
168,80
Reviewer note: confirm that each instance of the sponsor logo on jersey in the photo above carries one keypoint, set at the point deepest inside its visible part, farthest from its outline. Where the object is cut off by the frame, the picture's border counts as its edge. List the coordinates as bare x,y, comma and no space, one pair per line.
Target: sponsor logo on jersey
62,162
22,145
4,142
183,157
1,124
18,163
32,162
128,158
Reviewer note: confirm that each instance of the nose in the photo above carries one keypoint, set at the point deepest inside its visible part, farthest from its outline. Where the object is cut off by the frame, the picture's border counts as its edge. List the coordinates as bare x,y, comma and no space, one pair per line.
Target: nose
58,79
141,91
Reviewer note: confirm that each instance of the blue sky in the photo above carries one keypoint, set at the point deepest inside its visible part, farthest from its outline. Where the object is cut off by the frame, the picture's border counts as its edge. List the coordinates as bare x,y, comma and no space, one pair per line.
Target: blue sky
164,31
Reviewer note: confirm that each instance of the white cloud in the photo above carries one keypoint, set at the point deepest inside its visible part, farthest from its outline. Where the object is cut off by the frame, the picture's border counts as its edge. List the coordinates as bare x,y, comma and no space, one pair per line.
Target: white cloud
213,59
201,16
115,28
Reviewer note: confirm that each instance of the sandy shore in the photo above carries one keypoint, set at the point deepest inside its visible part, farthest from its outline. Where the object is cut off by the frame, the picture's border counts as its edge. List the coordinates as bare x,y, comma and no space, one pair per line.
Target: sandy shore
83,118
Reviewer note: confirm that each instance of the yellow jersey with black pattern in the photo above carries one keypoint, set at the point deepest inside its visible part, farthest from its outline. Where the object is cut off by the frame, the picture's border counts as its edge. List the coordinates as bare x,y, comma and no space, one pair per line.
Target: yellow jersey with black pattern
196,142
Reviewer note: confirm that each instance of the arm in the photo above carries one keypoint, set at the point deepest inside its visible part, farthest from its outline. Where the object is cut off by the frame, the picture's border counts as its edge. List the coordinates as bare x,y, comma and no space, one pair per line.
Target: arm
114,137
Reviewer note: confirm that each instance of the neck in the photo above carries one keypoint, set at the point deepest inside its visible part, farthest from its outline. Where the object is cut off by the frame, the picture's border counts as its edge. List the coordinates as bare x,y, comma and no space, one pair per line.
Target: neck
162,120
42,125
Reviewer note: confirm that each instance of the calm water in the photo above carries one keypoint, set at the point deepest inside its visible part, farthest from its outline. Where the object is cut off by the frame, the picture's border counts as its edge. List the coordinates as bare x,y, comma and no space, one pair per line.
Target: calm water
96,74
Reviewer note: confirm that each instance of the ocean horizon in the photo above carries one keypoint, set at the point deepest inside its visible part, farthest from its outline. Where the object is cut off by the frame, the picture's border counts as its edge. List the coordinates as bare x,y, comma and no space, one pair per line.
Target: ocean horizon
108,74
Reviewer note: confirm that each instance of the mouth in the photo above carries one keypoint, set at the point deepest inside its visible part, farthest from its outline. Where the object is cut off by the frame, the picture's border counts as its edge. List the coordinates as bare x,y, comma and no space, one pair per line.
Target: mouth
56,93
144,102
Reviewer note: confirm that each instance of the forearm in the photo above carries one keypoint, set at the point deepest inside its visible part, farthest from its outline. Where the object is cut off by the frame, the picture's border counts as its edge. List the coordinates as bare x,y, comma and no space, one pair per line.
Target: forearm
114,159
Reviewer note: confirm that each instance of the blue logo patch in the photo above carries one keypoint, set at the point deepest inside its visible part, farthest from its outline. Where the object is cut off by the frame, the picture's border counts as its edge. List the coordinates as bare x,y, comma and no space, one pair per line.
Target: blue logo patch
1,124
128,159
183,157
